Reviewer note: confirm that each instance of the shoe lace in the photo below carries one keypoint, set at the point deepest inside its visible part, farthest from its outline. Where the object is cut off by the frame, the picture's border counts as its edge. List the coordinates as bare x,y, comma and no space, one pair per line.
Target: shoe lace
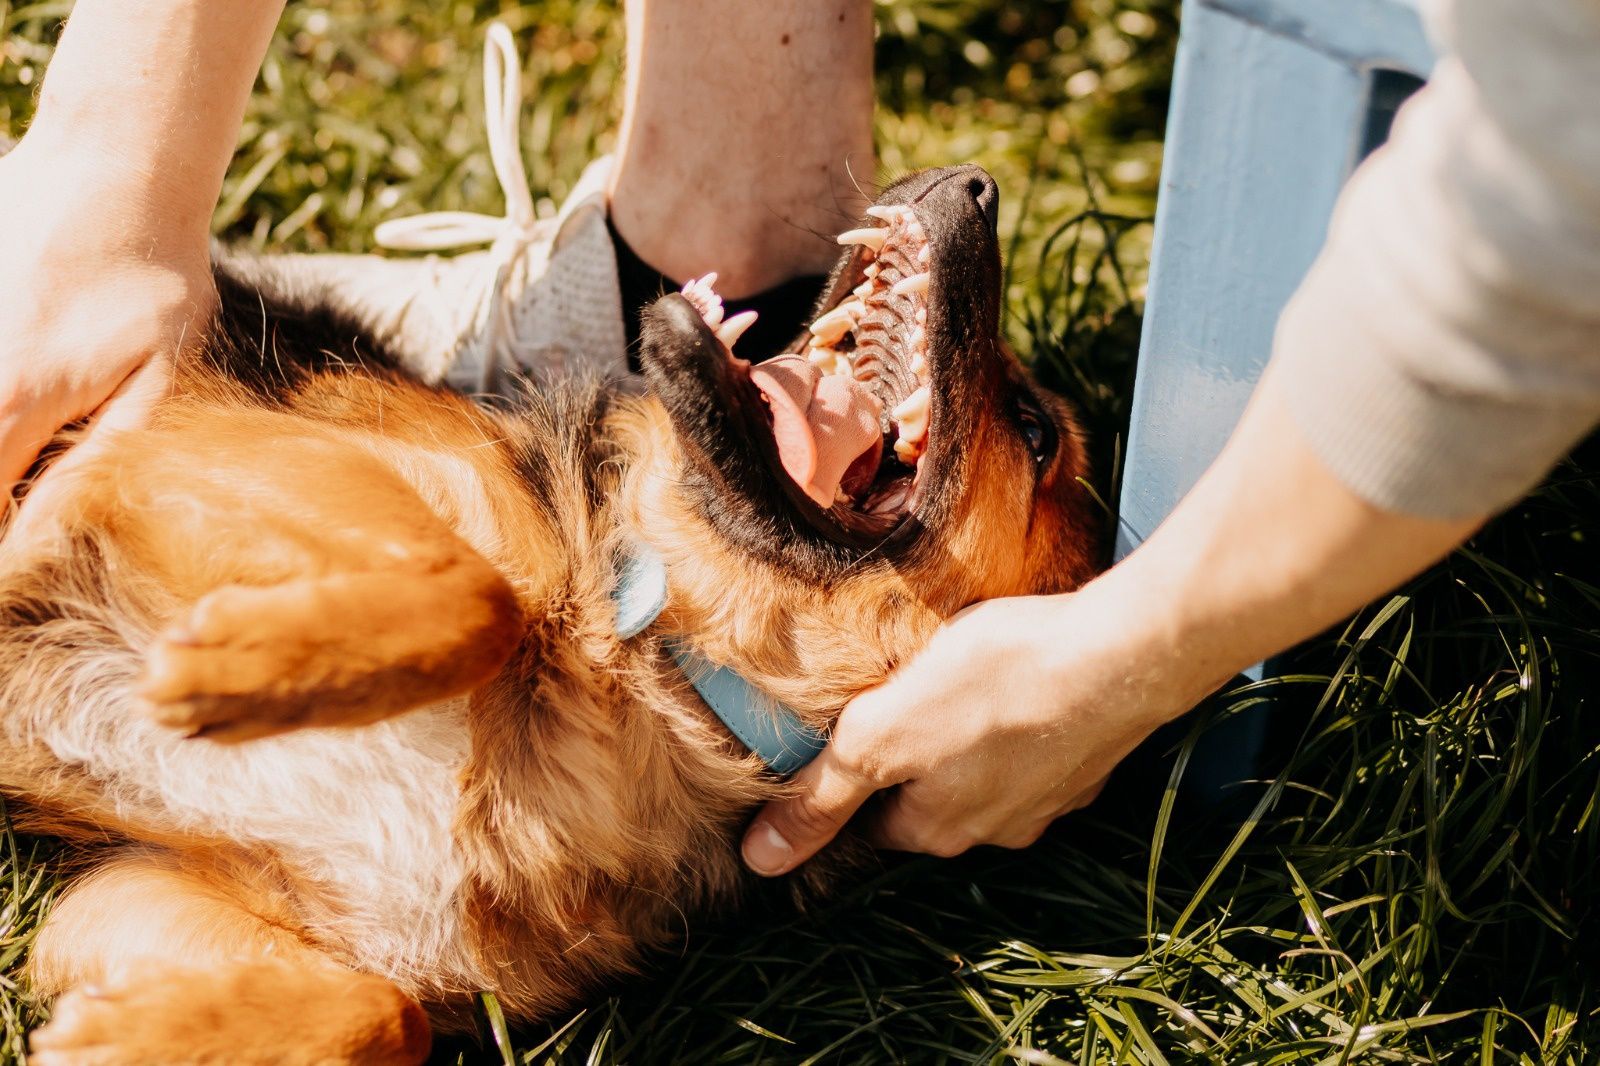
511,236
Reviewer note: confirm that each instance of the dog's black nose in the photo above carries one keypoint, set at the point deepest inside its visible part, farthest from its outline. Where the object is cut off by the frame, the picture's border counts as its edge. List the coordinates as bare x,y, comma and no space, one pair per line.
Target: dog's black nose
961,189
985,193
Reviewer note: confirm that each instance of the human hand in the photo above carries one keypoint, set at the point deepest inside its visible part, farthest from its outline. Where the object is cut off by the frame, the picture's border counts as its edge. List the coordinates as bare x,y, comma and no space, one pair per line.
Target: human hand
1013,715
99,288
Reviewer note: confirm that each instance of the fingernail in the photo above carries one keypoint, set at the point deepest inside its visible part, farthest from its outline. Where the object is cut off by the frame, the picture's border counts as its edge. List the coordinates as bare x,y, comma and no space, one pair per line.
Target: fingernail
765,850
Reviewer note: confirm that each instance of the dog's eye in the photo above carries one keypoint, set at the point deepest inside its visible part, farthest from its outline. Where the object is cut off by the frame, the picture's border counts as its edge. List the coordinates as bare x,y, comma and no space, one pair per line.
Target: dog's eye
1038,432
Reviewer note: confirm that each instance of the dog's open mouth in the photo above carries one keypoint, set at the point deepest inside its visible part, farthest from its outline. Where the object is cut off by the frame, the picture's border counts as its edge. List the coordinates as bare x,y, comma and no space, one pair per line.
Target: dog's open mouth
851,411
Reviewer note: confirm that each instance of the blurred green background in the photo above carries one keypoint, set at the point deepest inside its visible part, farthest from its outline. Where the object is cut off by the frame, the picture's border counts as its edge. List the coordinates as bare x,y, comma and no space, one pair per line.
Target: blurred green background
1413,879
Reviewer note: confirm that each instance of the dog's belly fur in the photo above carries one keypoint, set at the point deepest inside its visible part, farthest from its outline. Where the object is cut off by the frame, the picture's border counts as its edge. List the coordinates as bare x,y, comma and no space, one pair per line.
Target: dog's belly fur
363,821
360,820
532,839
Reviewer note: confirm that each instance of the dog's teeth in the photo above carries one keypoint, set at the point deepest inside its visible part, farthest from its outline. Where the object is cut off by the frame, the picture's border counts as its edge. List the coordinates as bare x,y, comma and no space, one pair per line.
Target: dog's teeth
827,334
734,328
830,361
925,256
836,323
918,343
914,228
911,419
704,286
871,236
922,316
916,283
865,289
871,271
913,406
887,212
700,293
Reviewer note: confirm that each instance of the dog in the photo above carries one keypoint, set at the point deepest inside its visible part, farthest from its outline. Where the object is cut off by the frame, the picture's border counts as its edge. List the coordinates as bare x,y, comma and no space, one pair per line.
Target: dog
323,675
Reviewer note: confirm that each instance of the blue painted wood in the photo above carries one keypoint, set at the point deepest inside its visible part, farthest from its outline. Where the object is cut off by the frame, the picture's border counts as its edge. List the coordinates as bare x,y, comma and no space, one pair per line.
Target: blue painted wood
1274,104
1358,33
1271,112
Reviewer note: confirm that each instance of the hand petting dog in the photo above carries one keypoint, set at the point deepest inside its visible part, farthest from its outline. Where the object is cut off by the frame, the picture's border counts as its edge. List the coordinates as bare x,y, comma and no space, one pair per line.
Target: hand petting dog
95,304
965,739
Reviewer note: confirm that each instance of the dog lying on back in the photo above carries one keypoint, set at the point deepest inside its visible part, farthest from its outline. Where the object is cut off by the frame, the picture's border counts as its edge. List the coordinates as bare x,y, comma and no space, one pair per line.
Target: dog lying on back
307,537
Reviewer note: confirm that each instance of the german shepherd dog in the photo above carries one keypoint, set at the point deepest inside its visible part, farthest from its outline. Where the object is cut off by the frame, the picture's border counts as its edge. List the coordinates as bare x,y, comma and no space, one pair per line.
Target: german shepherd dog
320,671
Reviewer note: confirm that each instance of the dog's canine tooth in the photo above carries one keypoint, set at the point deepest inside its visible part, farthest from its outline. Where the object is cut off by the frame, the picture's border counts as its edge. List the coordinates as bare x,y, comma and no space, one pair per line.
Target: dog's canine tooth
734,328
871,236
831,333
916,283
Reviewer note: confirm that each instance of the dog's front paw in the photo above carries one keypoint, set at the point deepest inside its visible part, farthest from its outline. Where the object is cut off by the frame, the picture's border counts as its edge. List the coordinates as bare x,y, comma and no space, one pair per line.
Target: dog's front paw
241,665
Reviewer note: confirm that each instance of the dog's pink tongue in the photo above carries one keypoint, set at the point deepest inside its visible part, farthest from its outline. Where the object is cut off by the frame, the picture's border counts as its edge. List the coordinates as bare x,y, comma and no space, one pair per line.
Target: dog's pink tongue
822,423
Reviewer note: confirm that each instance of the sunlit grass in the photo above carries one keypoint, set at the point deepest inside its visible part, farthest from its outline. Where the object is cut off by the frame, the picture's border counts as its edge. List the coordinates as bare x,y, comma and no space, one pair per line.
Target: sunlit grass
1411,880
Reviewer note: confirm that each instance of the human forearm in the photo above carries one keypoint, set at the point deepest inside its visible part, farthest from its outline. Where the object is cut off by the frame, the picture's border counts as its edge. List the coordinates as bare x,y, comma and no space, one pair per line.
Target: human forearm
106,205
149,97
1268,549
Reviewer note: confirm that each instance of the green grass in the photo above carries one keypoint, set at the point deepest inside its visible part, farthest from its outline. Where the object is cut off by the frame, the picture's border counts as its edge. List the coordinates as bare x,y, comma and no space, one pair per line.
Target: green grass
1413,878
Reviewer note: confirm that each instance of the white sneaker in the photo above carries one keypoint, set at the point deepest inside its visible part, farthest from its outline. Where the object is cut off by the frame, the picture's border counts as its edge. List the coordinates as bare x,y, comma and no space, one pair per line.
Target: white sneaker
543,297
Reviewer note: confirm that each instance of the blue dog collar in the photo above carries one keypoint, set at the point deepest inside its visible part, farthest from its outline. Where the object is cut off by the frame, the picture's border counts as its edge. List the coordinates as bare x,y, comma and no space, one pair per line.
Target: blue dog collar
762,724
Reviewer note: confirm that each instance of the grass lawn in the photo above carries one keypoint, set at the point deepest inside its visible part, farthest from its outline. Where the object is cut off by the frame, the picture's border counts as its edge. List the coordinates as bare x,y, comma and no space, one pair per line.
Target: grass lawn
1411,880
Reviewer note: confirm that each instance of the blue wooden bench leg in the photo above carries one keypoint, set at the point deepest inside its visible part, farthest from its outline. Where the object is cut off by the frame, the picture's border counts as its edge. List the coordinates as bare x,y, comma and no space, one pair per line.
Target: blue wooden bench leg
1274,104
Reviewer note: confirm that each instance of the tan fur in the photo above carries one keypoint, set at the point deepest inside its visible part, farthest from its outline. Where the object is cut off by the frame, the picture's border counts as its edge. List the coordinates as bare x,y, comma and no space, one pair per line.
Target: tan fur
555,802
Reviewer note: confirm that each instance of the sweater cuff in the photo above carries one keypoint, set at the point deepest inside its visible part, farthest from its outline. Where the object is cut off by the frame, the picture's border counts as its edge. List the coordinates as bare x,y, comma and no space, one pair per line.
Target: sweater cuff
1400,442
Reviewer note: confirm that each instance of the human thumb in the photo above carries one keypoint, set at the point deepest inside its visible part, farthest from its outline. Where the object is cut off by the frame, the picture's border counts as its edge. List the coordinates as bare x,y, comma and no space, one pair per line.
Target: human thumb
789,831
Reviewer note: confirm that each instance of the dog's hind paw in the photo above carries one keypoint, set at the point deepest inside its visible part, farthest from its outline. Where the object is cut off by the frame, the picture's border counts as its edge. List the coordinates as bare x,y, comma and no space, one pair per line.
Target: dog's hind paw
242,1013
